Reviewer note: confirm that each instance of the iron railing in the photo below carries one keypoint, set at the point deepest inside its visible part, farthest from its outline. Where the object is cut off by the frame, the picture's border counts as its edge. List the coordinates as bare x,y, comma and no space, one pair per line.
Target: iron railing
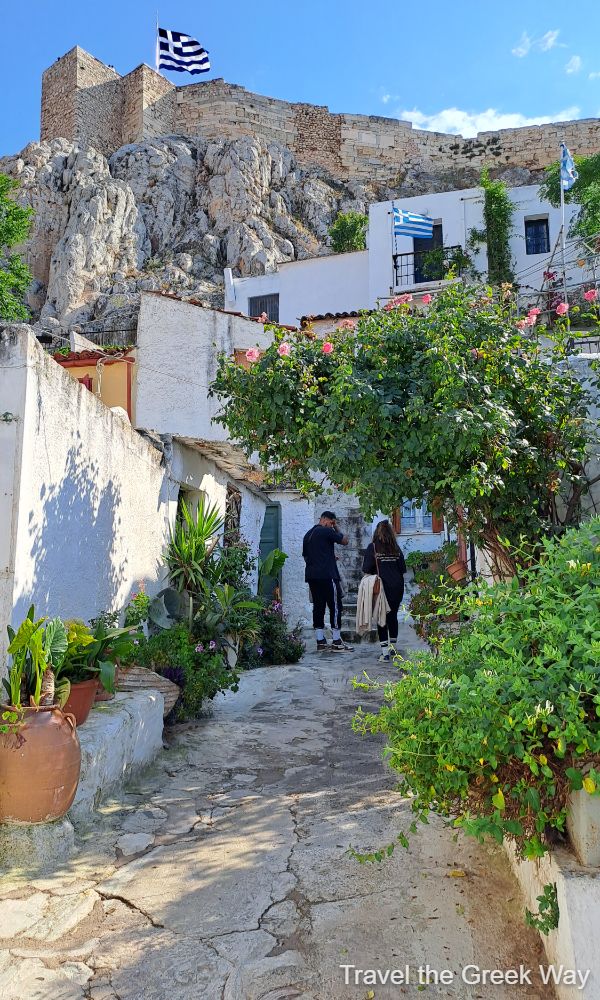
428,265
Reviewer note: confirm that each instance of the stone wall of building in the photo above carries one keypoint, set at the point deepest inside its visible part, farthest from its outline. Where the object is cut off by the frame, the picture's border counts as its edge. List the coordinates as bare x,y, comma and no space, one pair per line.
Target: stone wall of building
82,99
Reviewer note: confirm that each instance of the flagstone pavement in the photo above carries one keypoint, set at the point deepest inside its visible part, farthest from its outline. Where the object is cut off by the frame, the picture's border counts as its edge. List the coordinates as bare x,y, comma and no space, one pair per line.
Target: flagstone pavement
223,872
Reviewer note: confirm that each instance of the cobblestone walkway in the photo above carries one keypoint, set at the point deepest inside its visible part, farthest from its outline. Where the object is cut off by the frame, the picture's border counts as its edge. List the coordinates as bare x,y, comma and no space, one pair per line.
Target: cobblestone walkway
223,873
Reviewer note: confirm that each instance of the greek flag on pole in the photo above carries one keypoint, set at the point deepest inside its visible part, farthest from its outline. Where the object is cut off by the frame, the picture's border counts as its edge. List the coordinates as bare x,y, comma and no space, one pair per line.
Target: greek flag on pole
568,173
409,224
181,53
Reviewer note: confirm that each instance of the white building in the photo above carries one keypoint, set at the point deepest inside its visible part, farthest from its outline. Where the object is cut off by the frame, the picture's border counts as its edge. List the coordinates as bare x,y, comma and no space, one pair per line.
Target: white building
341,284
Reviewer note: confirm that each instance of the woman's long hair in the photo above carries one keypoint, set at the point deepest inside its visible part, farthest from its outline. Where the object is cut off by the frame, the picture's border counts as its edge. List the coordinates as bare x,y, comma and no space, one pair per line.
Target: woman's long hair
384,540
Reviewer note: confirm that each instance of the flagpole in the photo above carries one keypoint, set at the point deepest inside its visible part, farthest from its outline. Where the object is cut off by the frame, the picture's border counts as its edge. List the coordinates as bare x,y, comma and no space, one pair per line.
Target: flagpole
562,228
156,46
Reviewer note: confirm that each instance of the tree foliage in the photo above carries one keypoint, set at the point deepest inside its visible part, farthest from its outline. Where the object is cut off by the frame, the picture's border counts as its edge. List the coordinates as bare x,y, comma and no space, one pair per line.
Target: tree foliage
585,192
498,211
15,277
349,232
451,403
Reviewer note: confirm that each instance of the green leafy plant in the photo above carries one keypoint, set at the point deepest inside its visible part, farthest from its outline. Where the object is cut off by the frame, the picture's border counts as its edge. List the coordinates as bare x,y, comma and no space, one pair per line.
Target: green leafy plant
270,567
15,276
136,612
547,917
275,643
93,653
498,211
585,193
498,728
490,422
37,649
192,540
349,232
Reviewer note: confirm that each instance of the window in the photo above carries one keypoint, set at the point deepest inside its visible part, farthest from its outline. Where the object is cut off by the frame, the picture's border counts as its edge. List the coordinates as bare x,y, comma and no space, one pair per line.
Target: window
537,236
414,516
269,304
429,256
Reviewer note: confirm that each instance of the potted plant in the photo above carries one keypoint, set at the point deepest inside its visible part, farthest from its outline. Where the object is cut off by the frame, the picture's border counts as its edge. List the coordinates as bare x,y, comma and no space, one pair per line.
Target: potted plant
40,757
91,659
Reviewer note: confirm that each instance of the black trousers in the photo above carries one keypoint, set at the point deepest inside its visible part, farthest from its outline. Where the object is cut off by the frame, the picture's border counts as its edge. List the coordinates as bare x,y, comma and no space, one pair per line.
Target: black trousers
390,630
326,594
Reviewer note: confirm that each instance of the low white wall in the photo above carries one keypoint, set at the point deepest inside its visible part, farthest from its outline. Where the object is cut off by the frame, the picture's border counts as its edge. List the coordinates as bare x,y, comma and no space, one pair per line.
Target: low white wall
297,516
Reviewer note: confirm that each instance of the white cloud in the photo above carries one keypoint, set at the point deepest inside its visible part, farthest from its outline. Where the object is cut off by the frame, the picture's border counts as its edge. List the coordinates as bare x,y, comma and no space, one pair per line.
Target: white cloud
574,65
469,123
523,47
386,98
549,40
594,76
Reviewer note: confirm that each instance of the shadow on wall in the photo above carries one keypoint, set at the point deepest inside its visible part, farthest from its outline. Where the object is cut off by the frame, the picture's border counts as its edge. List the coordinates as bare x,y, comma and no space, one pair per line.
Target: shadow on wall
77,556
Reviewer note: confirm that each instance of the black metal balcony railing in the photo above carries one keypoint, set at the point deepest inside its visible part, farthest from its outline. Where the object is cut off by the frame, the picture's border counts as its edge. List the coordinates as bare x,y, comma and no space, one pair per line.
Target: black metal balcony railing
428,265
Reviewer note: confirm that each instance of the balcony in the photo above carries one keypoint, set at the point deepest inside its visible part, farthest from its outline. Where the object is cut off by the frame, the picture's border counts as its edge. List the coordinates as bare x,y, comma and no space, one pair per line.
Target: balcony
428,267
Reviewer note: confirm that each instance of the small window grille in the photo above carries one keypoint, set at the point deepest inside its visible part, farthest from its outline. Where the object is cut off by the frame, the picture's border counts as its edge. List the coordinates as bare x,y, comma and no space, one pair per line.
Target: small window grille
269,304
537,236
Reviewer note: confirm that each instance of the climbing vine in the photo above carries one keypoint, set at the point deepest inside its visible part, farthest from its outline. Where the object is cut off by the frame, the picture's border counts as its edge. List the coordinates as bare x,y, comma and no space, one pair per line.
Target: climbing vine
498,211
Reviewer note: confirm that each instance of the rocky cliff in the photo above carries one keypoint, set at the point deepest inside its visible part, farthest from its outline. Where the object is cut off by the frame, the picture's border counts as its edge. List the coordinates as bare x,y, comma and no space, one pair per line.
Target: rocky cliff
170,213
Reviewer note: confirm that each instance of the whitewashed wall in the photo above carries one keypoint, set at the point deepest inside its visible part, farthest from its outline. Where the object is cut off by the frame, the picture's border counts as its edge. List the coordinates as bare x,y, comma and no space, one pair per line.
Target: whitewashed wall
91,502
178,345
333,283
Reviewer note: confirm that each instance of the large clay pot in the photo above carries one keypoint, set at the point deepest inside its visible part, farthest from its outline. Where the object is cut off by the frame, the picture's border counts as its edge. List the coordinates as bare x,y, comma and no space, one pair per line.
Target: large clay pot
40,759
81,699
136,678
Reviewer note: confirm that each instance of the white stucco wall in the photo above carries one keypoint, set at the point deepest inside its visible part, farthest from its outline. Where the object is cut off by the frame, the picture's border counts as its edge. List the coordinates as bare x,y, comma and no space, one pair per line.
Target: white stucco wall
354,281
178,345
94,501
332,283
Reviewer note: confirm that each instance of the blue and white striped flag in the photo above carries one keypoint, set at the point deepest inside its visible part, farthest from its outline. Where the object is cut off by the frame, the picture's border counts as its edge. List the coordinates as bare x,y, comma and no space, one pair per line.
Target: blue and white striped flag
568,172
181,53
409,224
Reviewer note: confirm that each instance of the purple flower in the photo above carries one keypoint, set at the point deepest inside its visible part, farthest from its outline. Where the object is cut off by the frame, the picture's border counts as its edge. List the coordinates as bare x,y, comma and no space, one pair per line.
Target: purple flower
199,648
259,650
136,642
212,644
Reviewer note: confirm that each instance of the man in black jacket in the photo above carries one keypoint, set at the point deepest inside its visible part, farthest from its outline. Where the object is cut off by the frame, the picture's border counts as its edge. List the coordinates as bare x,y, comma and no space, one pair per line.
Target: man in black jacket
323,578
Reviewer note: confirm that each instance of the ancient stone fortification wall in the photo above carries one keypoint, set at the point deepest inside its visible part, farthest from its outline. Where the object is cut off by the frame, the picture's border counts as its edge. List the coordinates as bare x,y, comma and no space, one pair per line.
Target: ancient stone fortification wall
82,99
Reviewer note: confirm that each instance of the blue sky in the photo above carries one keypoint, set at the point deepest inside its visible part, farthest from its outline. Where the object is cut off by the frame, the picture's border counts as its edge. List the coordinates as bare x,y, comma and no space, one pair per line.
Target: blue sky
454,67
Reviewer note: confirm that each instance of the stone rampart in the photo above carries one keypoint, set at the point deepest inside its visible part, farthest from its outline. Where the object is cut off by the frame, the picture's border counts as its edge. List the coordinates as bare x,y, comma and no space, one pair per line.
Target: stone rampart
84,100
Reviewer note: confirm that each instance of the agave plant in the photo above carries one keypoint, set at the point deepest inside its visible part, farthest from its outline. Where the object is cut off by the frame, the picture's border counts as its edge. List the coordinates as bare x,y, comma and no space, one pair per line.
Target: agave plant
191,545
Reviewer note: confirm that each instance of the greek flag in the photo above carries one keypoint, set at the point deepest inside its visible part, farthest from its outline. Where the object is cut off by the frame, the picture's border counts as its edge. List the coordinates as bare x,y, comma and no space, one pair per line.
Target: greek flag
568,173
409,224
181,53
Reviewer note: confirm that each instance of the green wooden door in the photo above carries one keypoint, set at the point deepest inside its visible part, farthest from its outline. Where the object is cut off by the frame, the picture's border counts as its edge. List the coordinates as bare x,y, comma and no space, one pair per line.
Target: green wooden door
270,538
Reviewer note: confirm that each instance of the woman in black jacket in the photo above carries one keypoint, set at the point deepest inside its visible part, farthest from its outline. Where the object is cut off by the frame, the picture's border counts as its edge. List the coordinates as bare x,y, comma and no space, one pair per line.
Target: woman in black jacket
384,557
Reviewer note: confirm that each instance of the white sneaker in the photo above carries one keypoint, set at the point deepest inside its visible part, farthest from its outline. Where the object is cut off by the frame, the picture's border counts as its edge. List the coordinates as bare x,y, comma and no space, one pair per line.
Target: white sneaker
384,658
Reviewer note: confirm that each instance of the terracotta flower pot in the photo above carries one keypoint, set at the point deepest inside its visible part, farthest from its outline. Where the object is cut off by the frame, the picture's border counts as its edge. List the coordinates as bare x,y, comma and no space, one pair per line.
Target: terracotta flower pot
40,760
458,570
81,699
102,694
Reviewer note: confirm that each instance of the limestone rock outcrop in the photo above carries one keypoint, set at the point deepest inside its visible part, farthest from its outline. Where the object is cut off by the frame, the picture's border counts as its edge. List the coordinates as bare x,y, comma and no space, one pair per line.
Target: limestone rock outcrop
169,214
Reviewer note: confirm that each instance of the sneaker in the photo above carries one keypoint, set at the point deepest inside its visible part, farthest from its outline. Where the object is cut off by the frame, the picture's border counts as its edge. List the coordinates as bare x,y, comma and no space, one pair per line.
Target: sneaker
384,658
339,646
322,645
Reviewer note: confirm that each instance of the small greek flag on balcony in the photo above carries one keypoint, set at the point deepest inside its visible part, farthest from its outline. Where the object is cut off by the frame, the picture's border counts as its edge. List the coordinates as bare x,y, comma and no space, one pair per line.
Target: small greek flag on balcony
181,53
568,173
409,224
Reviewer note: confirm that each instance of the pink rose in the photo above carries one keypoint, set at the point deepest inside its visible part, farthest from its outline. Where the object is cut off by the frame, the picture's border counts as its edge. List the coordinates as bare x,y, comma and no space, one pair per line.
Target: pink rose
591,295
284,350
327,347
253,354
534,311
263,318
426,299
347,324
521,324
403,299
531,319
562,308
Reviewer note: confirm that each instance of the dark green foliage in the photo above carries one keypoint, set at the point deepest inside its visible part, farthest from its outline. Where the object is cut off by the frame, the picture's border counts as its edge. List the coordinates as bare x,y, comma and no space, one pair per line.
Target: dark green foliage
15,276
174,652
488,422
585,192
349,232
502,724
547,918
275,644
498,211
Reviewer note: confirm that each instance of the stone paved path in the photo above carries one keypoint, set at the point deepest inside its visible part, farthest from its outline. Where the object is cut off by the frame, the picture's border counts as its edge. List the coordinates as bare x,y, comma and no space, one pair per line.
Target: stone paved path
223,873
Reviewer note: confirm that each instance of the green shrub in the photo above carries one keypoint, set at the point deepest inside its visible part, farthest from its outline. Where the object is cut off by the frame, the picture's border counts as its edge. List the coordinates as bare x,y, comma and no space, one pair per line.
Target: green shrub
200,669
275,644
499,727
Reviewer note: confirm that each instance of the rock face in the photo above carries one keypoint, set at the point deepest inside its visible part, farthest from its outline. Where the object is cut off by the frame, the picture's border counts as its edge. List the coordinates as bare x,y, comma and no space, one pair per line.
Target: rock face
169,214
